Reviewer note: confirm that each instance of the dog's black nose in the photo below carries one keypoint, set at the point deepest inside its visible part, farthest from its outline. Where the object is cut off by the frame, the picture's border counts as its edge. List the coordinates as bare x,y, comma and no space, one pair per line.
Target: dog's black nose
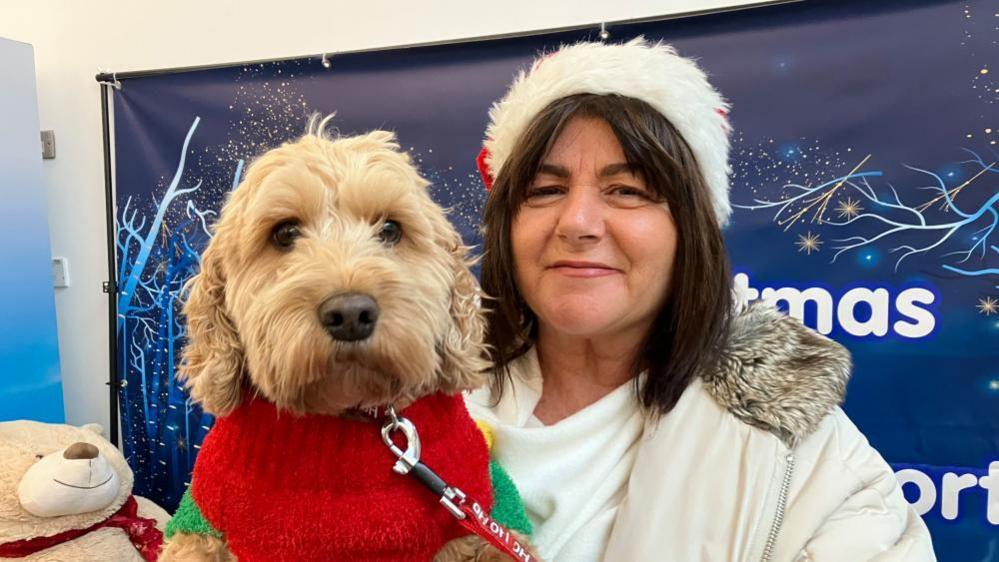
349,317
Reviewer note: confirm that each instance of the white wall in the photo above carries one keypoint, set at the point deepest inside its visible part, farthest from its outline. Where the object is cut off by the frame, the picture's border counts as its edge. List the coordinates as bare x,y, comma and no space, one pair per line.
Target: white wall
74,39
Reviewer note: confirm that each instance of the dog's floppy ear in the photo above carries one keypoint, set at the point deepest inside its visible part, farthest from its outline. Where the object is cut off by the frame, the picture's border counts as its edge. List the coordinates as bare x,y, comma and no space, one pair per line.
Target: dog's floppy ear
212,367
463,350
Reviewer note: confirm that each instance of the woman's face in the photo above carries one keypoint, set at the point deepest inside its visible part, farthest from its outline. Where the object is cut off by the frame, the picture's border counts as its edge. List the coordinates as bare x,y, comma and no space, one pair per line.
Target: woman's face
593,246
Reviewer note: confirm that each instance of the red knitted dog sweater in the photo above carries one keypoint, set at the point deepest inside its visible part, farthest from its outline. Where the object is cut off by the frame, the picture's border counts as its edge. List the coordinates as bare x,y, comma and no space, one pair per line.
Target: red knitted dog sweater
280,487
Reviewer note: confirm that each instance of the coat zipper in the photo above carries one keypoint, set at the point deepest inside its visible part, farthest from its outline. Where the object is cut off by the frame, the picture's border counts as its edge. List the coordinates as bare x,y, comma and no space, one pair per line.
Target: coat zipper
785,487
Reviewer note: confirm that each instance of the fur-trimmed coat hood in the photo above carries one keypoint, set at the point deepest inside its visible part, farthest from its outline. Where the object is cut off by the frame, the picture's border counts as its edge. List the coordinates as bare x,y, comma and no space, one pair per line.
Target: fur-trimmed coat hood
756,461
778,375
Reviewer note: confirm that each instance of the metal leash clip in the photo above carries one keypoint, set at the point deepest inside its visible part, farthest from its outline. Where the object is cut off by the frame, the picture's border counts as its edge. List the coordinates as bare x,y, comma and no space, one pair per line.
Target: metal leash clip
409,463
411,456
448,498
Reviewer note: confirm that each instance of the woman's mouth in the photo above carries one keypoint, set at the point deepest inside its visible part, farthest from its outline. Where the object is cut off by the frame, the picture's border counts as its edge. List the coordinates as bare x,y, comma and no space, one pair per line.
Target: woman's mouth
583,269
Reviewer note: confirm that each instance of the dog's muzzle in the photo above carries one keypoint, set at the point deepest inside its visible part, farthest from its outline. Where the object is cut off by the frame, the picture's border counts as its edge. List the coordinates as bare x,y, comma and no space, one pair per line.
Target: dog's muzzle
349,316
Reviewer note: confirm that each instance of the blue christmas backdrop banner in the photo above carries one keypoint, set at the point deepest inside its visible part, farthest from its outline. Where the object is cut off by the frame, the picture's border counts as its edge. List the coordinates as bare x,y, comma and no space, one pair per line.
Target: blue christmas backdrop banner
866,187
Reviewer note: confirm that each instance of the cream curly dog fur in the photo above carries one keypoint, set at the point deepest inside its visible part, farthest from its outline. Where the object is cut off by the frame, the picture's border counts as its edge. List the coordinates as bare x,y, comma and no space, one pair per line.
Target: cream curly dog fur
314,220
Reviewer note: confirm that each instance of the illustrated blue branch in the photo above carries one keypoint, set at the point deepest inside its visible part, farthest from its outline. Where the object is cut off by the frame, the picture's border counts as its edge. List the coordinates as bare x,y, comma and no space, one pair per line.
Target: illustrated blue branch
818,197
172,192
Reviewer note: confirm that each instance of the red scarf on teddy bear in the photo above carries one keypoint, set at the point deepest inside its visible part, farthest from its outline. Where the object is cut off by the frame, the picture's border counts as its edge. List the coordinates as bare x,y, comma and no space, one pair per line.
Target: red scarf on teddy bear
141,531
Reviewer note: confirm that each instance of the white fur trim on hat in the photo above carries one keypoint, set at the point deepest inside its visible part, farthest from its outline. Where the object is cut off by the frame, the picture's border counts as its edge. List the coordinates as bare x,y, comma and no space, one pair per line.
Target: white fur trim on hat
651,72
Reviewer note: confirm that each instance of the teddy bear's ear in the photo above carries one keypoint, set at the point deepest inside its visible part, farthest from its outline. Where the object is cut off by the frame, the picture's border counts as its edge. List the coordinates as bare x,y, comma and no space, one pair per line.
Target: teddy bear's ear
93,427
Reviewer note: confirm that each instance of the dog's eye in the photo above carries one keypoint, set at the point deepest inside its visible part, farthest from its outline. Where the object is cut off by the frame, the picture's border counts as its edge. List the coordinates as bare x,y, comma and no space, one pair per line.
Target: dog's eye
391,233
284,235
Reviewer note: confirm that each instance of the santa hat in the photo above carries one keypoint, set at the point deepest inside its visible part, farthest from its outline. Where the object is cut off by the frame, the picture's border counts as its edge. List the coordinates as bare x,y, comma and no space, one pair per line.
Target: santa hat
651,72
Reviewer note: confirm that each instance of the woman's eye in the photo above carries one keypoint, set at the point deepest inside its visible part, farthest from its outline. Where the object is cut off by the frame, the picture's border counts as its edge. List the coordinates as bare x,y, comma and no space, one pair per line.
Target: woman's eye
284,234
545,191
628,191
630,196
391,233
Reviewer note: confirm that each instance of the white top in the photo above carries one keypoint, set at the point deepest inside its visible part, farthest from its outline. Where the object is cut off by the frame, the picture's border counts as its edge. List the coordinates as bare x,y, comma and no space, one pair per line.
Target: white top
699,485
571,475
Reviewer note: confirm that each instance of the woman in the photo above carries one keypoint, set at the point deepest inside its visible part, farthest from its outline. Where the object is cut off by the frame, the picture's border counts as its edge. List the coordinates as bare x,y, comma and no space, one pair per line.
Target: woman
643,415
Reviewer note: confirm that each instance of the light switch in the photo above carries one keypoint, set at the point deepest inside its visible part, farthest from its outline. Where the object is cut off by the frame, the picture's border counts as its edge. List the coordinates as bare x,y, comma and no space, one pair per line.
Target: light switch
48,145
60,272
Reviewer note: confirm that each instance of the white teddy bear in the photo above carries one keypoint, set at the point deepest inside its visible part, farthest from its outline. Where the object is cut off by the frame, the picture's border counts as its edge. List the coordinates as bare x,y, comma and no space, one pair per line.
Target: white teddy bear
66,495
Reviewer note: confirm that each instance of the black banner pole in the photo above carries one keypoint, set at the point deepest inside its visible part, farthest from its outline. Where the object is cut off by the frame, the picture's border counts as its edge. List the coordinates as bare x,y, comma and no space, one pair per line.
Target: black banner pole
110,286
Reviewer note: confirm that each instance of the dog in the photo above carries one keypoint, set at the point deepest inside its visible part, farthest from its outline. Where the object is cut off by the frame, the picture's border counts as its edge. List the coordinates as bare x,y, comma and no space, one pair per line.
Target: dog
333,283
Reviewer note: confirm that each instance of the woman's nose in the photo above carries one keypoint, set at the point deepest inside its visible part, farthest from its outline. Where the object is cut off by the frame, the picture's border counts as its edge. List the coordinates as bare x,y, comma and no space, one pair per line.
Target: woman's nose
582,215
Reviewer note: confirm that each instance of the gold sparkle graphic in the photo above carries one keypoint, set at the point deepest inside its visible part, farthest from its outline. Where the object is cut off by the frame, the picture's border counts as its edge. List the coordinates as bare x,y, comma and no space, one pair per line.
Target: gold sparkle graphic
952,194
848,209
822,200
988,306
808,243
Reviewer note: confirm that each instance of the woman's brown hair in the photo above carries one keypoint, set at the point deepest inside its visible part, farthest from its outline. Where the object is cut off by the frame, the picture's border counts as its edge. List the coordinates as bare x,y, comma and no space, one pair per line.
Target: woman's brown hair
685,337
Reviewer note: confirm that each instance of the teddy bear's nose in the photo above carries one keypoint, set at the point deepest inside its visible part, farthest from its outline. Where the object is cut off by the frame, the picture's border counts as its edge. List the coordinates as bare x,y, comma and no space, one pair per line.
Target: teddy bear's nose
80,450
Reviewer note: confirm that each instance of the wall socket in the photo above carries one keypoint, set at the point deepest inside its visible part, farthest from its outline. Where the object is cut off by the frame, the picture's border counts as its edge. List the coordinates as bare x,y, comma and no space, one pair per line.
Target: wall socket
60,272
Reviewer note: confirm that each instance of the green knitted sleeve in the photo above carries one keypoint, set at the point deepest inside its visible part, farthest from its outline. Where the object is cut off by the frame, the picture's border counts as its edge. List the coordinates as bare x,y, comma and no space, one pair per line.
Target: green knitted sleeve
188,519
508,508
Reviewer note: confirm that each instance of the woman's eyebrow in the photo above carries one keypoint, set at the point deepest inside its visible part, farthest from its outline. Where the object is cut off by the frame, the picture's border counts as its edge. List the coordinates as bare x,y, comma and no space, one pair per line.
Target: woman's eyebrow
606,171
554,170
615,169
